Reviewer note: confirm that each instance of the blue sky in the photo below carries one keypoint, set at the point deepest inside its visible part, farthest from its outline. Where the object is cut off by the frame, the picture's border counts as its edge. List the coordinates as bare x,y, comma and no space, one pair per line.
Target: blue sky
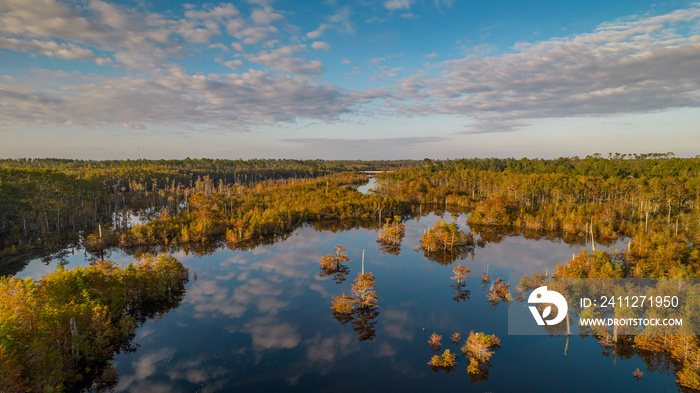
348,79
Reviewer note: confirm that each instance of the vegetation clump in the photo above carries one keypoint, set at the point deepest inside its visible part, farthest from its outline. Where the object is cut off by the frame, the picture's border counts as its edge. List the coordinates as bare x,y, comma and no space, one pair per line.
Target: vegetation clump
460,291
361,308
363,291
391,235
478,349
343,304
498,292
333,264
363,295
445,243
60,333
446,361
460,273
435,340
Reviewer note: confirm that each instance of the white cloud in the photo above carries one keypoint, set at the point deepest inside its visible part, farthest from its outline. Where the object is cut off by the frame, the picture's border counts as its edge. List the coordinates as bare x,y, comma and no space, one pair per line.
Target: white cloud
278,59
317,33
194,34
321,45
46,19
265,16
254,35
270,44
231,101
98,26
233,64
111,15
340,21
397,5
219,46
234,27
386,72
636,66
47,48
342,18
133,39
220,13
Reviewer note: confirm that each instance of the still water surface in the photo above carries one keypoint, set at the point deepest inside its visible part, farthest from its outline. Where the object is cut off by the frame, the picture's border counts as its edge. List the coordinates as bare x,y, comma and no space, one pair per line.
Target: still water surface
259,320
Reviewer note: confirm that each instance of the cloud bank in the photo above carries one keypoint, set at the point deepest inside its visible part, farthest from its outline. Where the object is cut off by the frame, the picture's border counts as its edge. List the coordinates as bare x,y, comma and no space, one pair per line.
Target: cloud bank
623,67
637,65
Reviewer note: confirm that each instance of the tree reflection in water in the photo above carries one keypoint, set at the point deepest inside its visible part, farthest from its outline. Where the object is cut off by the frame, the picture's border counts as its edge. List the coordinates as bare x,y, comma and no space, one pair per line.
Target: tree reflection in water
361,309
332,265
61,333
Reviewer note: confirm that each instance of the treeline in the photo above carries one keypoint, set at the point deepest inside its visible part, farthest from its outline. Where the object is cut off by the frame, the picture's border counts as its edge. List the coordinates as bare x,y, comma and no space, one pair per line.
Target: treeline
40,207
161,173
202,200
60,333
615,165
245,214
47,204
654,194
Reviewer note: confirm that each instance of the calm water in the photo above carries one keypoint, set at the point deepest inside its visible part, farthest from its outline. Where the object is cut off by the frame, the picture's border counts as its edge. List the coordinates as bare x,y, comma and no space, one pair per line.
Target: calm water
259,320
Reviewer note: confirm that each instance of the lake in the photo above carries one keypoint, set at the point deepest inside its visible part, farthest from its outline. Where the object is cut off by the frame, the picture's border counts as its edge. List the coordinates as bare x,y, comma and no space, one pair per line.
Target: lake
260,320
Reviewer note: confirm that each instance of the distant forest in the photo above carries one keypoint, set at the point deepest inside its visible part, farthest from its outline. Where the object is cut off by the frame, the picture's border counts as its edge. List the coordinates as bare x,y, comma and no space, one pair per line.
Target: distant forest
46,203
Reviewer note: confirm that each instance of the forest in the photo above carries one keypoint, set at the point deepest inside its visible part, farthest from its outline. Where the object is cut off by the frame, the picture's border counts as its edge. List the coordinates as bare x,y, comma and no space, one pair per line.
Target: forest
47,204
60,333
650,200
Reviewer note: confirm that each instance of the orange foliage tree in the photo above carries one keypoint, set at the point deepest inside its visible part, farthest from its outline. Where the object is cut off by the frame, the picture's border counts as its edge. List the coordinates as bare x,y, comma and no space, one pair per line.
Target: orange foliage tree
60,333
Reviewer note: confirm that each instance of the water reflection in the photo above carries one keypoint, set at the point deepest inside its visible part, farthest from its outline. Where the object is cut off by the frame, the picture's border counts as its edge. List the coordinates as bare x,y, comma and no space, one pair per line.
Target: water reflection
460,292
258,319
61,333
333,265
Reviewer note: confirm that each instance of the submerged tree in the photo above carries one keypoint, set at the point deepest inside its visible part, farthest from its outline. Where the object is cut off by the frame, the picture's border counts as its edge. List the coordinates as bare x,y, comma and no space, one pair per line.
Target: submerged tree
485,278
361,309
435,340
460,292
478,350
343,304
391,235
363,291
445,243
362,317
461,273
332,265
446,361
456,338
498,293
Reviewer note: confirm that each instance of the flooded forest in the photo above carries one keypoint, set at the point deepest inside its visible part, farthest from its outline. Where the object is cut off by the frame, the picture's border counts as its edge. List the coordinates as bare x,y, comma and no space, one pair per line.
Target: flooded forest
310,275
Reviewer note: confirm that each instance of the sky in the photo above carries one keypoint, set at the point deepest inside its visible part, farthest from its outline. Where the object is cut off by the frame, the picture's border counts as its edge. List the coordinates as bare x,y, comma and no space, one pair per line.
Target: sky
362,79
